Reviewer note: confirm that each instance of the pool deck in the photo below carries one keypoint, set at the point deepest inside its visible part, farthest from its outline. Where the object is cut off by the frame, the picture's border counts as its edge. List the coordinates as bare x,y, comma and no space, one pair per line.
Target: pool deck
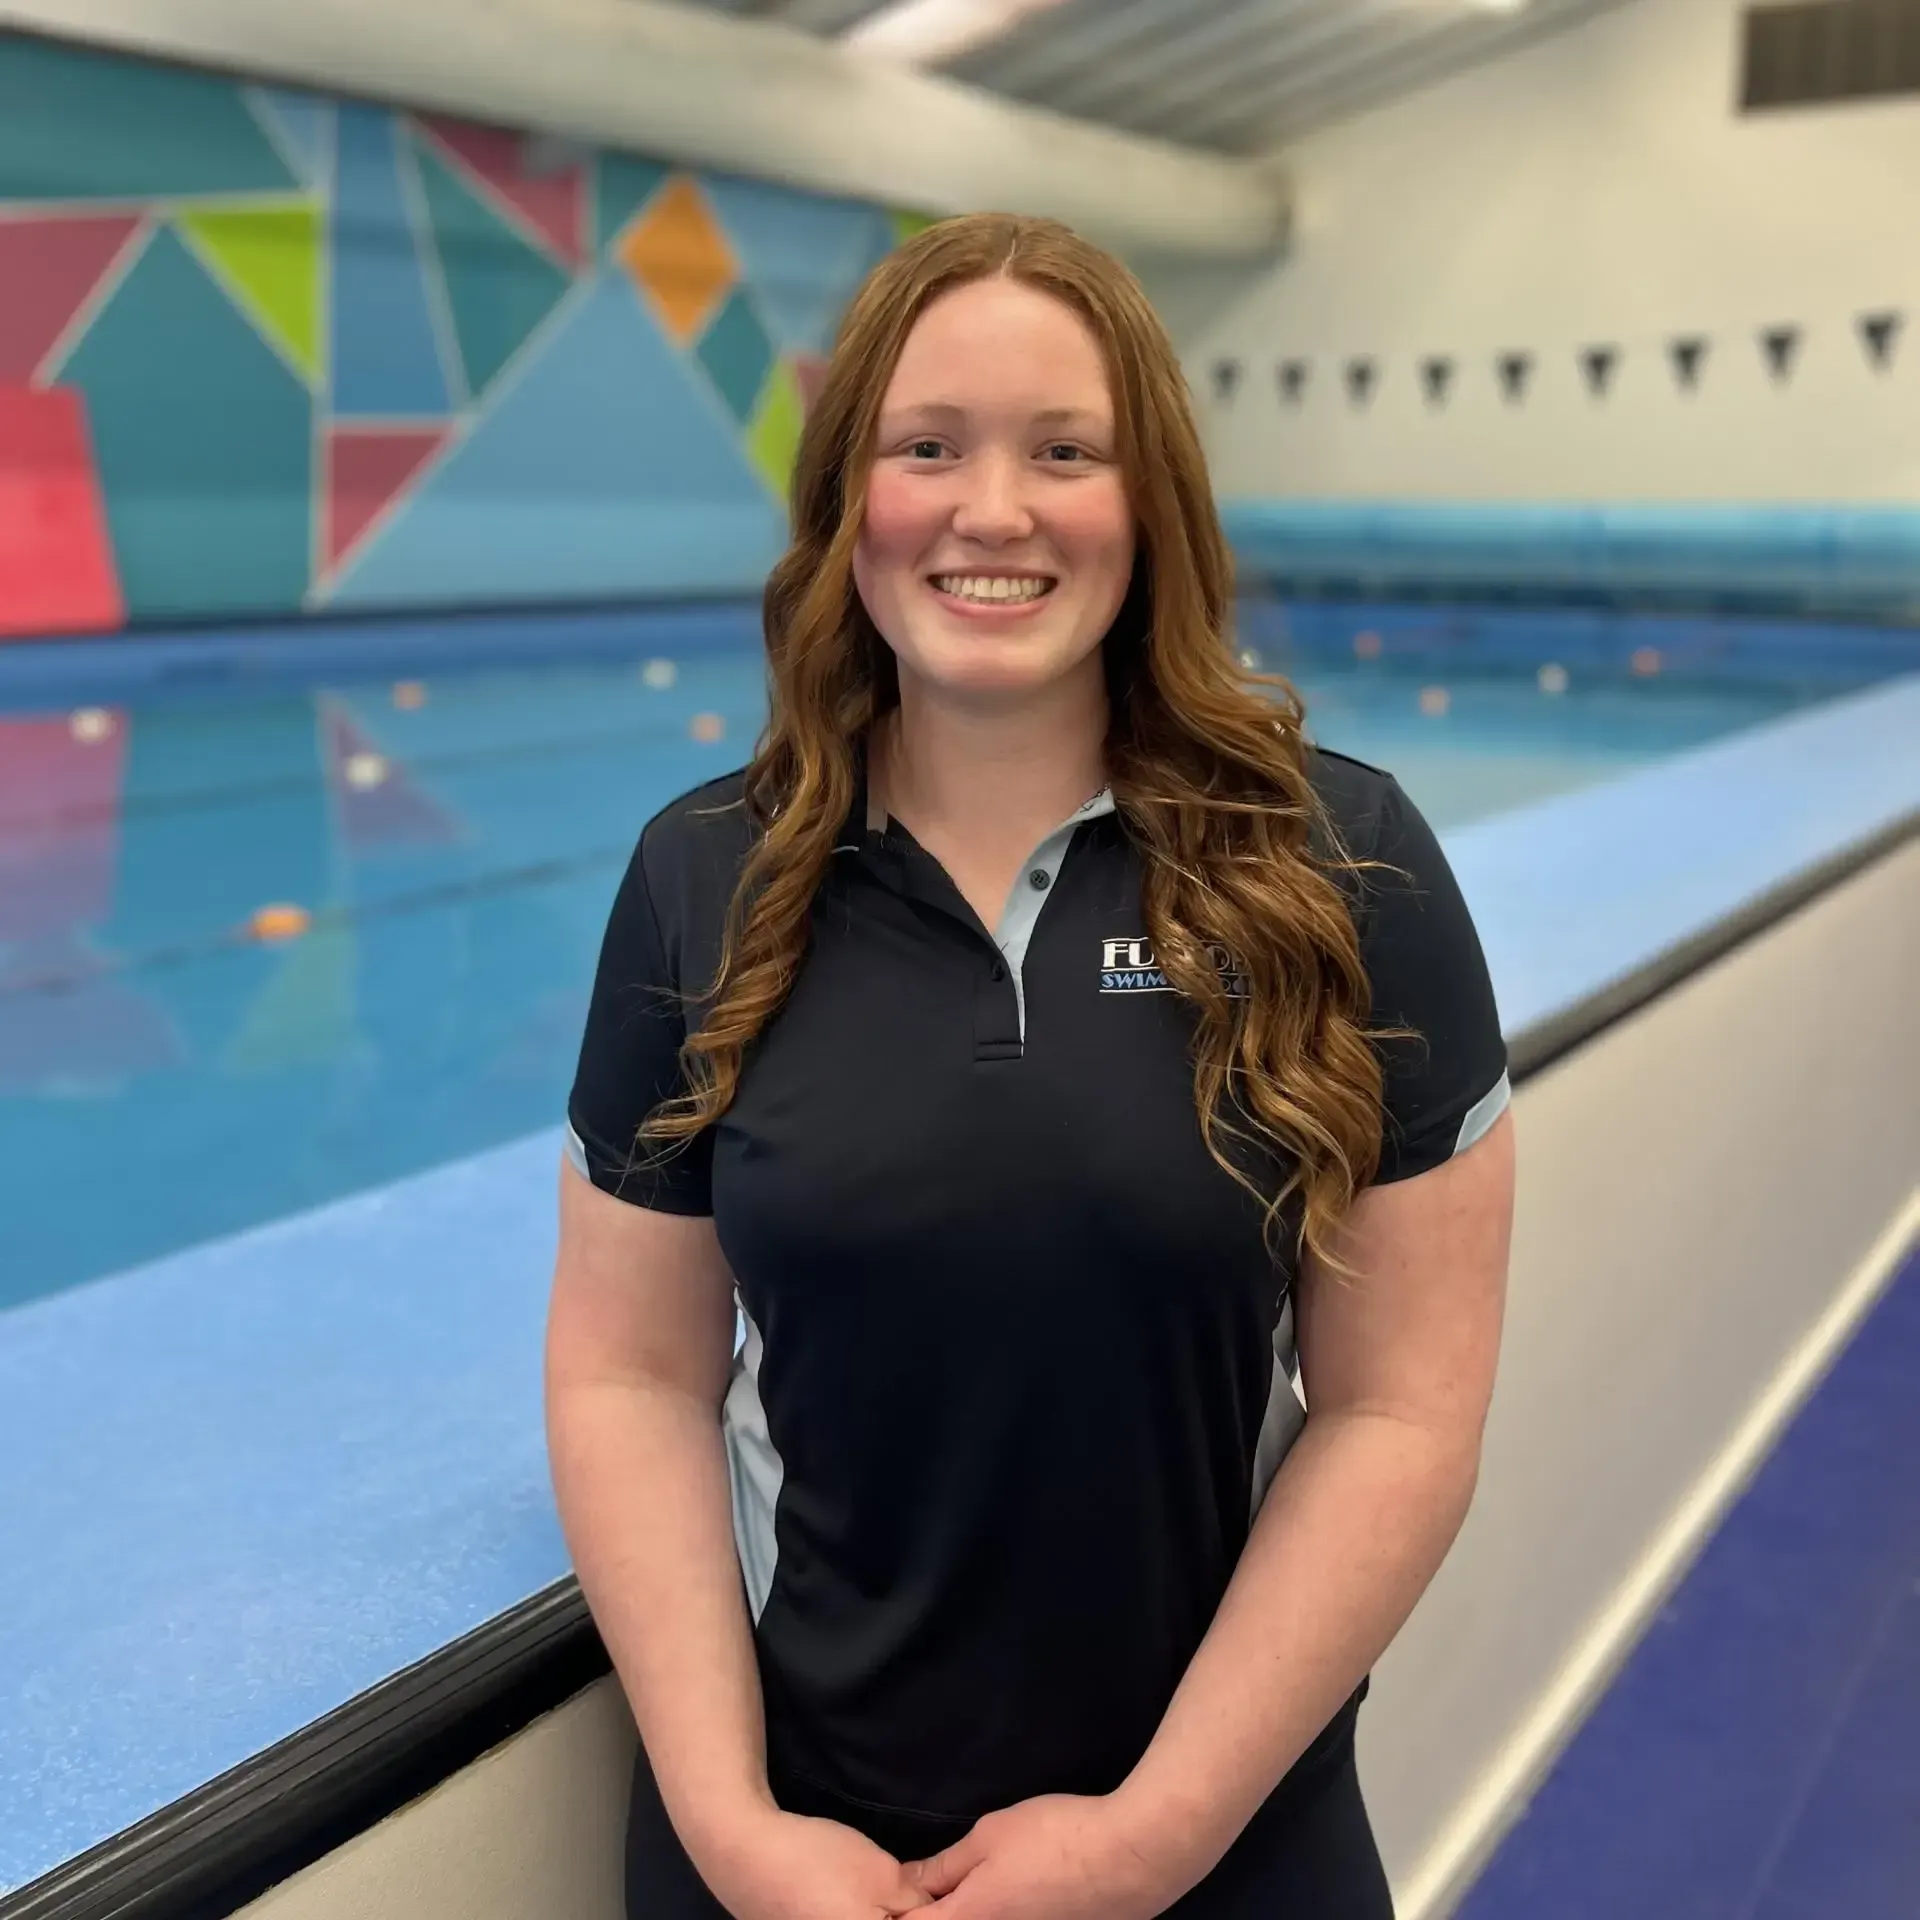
258,1477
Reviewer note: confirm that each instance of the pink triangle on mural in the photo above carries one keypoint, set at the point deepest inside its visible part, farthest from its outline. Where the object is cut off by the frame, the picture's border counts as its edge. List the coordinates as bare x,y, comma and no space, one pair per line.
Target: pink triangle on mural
368,468
48,268
552,201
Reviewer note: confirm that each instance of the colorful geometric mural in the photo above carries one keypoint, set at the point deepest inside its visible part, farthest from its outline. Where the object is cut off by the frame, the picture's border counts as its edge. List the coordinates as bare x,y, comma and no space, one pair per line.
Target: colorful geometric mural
264,351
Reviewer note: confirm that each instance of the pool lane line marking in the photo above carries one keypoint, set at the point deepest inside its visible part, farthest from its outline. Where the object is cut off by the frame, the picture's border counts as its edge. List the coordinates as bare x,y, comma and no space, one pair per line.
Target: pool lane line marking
243,938
153,806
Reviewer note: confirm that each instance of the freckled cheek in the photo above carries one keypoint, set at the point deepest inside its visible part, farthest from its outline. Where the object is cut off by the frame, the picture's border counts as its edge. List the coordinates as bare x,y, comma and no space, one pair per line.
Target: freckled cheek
902,521
1093,527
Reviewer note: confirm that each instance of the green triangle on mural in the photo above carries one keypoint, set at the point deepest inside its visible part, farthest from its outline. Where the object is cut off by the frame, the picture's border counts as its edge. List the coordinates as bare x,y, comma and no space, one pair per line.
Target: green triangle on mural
773,433
268,259
906,225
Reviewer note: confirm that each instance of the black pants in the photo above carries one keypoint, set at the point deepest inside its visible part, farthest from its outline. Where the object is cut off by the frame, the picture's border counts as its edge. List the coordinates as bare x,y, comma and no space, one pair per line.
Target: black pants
1307,1854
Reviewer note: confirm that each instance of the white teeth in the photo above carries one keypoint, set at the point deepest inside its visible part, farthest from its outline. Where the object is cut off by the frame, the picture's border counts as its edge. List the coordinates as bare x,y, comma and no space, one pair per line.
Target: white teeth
969,586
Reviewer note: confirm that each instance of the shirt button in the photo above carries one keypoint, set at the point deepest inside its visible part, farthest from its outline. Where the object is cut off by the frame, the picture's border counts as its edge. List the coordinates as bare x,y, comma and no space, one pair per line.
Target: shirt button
999,972
1039,879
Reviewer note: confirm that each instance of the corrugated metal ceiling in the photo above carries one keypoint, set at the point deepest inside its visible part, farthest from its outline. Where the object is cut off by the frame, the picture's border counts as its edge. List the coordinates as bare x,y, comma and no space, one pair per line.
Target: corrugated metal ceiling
1239,76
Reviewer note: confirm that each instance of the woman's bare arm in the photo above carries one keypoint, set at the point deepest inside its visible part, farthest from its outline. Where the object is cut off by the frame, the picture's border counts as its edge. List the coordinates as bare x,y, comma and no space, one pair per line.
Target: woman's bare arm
639,1353
1398,1362
639,1350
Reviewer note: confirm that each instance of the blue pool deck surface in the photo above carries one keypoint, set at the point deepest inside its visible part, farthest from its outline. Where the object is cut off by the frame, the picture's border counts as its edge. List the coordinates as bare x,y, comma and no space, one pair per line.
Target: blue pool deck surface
263,1472
1758,1758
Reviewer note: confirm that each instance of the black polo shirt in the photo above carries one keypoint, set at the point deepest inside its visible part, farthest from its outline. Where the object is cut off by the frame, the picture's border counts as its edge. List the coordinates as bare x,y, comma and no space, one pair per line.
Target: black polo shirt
1018,1364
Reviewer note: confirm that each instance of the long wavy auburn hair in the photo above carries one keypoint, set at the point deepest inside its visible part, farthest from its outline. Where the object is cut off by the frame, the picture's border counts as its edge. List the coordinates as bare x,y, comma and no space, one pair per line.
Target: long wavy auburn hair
1206,764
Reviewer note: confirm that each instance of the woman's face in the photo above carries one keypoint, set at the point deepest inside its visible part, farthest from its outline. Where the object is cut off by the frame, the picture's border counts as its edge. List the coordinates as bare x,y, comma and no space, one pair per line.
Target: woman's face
998,541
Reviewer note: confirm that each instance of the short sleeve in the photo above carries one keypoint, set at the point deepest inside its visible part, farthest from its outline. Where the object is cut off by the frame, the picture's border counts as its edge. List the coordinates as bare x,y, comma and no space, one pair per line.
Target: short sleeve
1446,1067
630,1063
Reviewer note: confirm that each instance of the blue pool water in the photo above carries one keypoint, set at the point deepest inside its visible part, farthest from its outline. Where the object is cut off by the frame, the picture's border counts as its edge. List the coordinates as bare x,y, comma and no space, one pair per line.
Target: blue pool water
453,839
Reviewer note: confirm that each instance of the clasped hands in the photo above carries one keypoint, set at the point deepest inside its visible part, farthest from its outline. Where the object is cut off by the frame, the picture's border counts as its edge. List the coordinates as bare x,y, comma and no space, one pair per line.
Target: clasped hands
1057,1857
1060,1857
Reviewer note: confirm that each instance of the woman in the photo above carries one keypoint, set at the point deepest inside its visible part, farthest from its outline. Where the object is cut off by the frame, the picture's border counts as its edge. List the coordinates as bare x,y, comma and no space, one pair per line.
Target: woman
1042,1046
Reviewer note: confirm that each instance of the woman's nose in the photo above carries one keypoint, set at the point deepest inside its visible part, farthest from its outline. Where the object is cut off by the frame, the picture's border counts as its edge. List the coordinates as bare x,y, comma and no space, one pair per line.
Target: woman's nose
993,503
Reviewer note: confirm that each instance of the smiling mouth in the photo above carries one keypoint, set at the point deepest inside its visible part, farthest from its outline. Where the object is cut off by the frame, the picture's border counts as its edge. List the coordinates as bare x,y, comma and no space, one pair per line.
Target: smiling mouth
995,590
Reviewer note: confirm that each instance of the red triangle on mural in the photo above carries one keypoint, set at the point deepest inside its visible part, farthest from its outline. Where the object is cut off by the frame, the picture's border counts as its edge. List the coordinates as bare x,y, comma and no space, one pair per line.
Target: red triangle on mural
48,268
58,573
552,201
376,801
368,468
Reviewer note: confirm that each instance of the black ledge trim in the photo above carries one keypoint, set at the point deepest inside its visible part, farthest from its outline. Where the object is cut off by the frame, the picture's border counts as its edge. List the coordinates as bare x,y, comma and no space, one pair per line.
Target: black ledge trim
227,1843
264,1820
1548,1041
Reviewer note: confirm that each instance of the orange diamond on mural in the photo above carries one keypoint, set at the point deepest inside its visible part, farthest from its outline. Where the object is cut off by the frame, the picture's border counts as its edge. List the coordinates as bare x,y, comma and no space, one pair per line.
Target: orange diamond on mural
679,258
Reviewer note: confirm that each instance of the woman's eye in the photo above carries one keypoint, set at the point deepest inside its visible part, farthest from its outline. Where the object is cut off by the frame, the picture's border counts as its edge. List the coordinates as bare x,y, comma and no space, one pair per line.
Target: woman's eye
925,450
1063,452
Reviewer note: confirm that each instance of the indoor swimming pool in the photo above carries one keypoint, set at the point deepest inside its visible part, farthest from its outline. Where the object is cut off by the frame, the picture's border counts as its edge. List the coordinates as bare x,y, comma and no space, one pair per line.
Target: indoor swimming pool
296,925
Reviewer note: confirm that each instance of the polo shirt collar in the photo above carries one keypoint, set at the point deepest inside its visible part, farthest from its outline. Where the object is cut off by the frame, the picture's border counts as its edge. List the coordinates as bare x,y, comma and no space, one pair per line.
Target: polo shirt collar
866,816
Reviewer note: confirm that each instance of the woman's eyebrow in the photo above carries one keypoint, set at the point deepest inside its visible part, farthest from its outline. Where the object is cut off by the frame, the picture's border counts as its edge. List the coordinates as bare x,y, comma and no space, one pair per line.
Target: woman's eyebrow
944,413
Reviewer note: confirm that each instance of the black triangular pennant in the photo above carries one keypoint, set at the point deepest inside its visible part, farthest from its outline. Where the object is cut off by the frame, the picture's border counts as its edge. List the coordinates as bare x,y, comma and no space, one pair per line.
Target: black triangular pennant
1515,370
1880,335
1226,379
1781,346
1688,353
1598,363
1362,375
1293,381
1436,375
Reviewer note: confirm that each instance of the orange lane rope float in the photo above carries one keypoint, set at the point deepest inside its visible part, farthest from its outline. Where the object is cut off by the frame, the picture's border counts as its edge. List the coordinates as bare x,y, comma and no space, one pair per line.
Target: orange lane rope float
282,921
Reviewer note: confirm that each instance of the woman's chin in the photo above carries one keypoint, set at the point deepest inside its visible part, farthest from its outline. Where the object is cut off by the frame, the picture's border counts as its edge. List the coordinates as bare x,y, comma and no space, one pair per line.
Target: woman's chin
998,666
997,679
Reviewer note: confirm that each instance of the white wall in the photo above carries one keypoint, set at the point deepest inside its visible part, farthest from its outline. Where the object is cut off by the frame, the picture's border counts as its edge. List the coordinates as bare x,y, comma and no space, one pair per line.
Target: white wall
685,84
534,1831
1711,1196
1596,187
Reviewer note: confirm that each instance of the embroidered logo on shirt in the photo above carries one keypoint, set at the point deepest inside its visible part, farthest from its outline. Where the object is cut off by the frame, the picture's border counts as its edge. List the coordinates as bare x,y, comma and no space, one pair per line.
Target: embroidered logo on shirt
1128,966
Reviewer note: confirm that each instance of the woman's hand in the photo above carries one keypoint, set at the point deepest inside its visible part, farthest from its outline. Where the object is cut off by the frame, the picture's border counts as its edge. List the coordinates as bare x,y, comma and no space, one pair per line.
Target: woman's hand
787,1866
1060,1857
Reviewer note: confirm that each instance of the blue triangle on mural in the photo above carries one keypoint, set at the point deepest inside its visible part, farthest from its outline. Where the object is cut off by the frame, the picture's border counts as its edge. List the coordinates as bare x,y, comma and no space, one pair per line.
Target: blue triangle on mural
188,404
804,256
605,468
623,184
300,124
79,125
387,353
499,288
